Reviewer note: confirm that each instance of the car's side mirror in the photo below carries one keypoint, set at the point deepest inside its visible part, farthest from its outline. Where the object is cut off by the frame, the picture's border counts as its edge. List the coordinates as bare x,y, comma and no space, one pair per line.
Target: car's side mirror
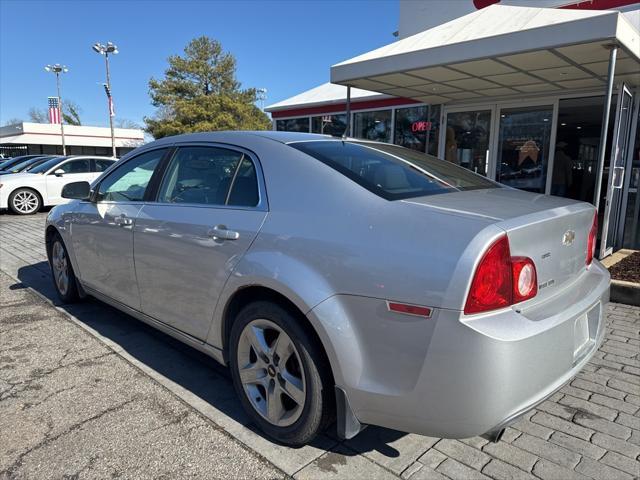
59,172
77,191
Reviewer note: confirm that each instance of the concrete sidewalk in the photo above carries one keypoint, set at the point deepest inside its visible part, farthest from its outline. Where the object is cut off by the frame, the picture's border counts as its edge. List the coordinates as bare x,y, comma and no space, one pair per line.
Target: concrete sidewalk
590,429
72,407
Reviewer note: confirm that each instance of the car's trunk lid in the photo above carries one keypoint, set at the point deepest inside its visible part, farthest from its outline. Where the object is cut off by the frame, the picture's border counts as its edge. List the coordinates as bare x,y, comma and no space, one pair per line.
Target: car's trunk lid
552,231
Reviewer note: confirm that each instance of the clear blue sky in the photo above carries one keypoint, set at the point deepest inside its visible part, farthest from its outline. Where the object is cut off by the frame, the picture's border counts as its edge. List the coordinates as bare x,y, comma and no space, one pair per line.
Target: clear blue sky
284,46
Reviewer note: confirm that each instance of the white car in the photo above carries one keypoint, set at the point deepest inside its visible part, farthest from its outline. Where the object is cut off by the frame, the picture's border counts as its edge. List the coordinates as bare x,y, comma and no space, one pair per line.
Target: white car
26,192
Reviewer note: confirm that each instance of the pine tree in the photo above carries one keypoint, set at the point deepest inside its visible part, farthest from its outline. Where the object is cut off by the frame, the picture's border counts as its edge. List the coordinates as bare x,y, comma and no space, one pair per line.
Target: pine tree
200,93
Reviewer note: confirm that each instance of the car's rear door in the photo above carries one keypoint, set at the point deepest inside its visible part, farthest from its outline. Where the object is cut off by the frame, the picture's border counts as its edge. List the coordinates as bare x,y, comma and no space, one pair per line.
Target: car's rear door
209,208
102,229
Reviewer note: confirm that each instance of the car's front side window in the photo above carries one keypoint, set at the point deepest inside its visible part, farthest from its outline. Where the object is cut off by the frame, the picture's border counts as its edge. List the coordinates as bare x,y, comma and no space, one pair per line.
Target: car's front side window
129,182
206,175
75,166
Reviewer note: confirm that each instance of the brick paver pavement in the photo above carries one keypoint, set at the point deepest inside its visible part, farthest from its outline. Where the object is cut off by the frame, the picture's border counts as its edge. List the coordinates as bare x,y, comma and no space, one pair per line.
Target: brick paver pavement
589,429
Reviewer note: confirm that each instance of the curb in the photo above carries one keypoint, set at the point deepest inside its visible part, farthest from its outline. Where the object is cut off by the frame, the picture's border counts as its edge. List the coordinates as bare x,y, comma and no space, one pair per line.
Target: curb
625,292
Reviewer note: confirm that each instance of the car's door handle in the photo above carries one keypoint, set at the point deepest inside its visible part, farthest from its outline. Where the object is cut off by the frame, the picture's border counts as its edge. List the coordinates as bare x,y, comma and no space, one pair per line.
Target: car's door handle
123,221
221,232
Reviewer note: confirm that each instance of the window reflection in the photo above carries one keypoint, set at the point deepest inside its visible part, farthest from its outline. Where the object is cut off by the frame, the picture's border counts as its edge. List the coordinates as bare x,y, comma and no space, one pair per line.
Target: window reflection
467,139
575,162
329,124
373,125
293,125
523,148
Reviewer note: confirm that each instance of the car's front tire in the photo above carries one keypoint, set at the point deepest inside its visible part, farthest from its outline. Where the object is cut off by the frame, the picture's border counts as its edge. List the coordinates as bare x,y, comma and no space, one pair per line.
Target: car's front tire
280,374
25,201
64,279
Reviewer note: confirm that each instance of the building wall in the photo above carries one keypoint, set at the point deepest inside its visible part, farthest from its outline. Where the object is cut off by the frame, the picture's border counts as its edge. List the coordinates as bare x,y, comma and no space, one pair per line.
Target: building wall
419,15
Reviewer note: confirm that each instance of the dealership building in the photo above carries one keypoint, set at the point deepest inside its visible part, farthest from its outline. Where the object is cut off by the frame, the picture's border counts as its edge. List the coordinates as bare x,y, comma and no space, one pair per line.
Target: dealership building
26,138
542,95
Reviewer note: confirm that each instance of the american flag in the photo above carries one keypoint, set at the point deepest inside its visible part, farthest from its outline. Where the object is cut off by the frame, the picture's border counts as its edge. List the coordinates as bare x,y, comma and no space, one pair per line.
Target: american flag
54,110
112,112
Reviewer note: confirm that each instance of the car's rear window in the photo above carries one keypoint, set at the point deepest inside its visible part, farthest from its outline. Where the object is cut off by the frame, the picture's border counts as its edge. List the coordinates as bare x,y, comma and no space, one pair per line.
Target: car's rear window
393,172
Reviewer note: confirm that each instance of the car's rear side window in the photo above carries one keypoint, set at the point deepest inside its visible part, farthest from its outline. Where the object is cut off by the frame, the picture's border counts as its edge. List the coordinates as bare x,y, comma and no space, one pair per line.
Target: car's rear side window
393,172
210,176
102,164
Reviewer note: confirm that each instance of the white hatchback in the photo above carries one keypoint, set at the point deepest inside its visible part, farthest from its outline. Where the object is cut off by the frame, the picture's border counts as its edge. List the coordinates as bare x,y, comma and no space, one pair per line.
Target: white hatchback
26,192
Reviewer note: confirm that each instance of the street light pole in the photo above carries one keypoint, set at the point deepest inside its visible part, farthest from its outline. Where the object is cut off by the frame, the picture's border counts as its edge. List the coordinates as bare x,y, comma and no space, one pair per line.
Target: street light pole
111,113
106,50
58,69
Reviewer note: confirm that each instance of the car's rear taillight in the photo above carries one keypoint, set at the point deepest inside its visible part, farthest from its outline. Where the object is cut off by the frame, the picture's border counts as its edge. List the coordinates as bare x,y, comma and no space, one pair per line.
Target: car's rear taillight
525,281
501,280
591,242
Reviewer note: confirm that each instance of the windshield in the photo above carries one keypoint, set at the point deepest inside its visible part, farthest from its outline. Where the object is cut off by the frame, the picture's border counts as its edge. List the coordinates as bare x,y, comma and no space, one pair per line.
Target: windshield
393,172
43,167
27,164
14,161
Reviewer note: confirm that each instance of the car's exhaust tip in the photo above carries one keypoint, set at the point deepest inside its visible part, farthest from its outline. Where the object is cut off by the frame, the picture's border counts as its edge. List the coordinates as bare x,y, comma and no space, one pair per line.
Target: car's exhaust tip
494,436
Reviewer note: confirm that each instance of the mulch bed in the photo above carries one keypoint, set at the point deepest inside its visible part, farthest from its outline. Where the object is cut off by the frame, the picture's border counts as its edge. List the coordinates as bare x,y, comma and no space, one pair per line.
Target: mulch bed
627,269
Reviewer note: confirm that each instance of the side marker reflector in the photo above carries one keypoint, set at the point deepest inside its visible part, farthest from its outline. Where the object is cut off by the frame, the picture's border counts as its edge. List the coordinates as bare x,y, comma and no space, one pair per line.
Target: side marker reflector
409,309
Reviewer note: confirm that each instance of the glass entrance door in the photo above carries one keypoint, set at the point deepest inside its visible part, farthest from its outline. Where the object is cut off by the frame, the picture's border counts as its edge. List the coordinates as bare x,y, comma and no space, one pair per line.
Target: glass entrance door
616,171
466,139
524,138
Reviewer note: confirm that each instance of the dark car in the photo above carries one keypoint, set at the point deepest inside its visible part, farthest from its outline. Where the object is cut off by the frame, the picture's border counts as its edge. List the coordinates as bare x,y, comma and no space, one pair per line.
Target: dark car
16,160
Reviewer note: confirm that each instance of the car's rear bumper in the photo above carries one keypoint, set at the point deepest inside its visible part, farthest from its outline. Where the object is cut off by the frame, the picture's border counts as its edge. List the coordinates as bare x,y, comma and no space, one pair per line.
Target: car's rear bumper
458,376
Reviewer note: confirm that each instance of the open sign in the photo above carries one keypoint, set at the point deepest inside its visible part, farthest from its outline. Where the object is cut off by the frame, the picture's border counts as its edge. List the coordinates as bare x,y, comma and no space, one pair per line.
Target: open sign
420,127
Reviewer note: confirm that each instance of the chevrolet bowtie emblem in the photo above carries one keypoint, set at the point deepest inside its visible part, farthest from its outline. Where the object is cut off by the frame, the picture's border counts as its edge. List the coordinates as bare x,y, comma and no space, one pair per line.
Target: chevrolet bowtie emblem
568,237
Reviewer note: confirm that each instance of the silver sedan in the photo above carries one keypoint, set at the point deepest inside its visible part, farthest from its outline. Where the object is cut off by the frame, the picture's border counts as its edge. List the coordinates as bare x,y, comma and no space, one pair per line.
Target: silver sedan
342,279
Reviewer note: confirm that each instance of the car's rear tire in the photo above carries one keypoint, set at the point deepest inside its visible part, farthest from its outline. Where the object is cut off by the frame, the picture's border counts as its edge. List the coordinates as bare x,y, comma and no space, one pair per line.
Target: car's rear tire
25,201
64,279
280,374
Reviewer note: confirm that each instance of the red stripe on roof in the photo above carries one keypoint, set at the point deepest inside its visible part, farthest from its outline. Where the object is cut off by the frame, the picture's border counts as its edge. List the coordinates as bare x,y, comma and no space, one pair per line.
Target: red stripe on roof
341,107
600,4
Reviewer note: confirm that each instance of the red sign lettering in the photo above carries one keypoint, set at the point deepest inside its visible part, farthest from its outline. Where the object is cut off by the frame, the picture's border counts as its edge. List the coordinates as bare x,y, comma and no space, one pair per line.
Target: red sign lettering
420,127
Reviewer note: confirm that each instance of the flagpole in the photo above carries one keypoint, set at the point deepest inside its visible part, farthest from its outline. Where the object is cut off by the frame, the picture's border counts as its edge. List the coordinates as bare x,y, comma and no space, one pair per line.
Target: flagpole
57,69
64,146
106,50
113,137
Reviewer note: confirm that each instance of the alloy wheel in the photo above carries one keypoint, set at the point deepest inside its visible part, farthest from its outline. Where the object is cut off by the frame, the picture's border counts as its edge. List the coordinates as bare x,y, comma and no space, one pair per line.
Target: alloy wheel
26,201
60,266
271,372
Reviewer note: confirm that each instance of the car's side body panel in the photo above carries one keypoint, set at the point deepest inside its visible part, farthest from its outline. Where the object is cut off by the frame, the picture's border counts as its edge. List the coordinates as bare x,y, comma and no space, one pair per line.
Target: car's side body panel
455,376
340,253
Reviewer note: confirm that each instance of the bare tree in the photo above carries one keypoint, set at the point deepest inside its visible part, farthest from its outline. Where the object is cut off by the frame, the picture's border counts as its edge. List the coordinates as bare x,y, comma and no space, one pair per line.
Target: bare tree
38,115
126,123
13,121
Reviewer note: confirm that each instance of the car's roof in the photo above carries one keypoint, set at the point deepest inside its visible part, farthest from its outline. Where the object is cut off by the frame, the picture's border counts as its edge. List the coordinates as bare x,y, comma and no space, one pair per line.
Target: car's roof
100,157
238,136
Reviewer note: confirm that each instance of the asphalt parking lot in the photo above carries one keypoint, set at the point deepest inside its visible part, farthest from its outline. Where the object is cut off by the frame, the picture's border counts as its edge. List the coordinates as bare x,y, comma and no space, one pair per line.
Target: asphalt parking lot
88,392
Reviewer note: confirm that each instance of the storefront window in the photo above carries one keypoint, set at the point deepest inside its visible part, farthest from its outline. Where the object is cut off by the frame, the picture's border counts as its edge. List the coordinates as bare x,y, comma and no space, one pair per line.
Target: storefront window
575,161
523,148
467,139
412,126
293,125
632,218
329,124
373,125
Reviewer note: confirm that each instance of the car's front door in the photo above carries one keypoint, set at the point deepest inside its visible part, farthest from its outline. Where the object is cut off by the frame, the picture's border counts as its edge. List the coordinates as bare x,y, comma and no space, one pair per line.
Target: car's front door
102,229
74,170
210,206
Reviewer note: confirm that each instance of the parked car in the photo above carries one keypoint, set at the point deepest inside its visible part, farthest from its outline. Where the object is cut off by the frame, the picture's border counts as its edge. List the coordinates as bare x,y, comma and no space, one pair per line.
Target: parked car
342,279
15,161
25,193
26,165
